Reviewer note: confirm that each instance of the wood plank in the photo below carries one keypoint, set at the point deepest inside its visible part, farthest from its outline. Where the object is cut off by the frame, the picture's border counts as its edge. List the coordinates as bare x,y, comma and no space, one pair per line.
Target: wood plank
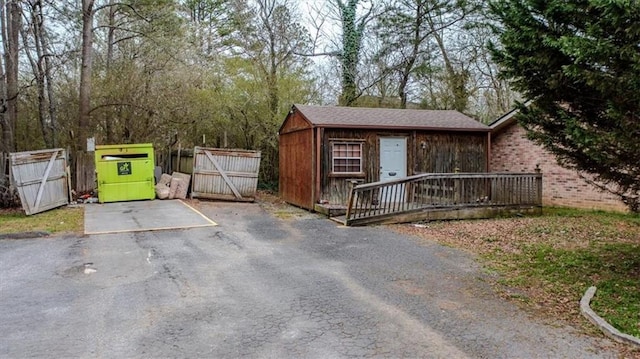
224,197
330,210
233,153
340,219
57,176
229,173
445,214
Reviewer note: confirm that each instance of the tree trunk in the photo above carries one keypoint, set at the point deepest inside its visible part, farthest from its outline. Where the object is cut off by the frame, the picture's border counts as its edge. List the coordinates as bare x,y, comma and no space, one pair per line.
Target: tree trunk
53,116
84,121
110,44
411,60
13,22
456,80
38,68
274,99
351,41
5,125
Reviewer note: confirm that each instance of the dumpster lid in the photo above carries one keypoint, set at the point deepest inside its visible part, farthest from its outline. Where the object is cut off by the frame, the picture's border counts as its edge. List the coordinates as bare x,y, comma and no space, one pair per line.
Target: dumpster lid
132,145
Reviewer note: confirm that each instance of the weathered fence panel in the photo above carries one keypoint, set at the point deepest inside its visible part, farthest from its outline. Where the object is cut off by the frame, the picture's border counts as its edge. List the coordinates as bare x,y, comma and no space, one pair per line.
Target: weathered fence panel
443,196
85,172
41,179
225,174
182,161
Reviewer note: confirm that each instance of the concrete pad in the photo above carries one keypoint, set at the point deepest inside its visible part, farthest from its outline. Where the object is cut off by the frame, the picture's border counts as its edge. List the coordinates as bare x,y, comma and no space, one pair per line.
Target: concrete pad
137,216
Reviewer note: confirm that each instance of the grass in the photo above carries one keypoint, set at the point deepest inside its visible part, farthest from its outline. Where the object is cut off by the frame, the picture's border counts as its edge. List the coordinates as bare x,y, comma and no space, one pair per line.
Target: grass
566,273
60,220
549,261
577,249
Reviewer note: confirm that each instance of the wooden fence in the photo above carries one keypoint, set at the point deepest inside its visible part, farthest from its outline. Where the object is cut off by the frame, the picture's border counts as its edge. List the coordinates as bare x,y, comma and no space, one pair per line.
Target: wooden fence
85,172
41,179
225,174
444,196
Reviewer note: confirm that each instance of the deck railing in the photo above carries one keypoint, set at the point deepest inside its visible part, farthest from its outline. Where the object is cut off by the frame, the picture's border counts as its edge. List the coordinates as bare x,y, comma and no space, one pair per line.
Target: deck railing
433,191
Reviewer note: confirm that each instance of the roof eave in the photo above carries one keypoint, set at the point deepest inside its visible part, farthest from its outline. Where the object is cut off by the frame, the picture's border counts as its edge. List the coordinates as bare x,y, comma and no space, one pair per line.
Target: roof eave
506,120
292,111
406,128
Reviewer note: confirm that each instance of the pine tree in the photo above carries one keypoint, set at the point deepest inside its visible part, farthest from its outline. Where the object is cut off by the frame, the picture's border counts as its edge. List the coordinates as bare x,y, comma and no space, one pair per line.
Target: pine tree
578,61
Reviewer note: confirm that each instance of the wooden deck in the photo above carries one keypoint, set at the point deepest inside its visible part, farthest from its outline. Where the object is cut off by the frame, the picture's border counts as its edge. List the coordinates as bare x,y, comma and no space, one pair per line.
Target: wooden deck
444,196
330,210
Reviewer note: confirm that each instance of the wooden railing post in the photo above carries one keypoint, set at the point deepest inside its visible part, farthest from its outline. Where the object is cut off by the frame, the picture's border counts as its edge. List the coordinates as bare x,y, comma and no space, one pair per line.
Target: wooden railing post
539,184
457,187
352,196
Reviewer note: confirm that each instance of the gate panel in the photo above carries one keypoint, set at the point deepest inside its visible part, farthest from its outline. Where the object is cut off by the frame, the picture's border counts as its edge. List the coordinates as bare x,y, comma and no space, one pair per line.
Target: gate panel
41,179
225,174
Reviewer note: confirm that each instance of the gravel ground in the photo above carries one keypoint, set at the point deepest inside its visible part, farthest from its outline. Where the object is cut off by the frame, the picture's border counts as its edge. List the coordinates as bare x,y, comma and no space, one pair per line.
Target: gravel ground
269,281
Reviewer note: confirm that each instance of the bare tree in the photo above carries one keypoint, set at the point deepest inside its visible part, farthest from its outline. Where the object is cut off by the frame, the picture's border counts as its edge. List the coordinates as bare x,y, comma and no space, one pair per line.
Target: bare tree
39,55
412,32
270,38
11,21
353,19
84,92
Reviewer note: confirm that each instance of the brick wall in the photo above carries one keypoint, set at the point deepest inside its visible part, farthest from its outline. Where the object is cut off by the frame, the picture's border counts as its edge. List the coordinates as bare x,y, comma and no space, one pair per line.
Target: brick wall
511,151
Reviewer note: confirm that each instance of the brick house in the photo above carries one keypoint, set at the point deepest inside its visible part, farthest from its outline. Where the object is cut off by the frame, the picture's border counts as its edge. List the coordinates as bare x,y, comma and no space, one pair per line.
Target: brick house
511,151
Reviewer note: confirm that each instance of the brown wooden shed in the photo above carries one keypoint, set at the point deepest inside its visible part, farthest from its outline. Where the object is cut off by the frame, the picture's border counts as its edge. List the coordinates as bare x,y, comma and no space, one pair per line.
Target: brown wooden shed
325,149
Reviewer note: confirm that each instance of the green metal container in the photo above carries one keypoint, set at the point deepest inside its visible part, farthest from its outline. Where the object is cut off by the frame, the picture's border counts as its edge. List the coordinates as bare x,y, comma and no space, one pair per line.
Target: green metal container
125,172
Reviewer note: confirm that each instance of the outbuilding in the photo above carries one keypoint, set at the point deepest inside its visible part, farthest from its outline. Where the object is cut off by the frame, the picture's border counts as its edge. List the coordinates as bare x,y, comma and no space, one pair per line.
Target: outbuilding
326,149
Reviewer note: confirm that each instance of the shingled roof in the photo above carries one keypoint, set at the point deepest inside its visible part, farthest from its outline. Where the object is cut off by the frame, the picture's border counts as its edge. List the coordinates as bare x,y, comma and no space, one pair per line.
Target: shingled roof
360,117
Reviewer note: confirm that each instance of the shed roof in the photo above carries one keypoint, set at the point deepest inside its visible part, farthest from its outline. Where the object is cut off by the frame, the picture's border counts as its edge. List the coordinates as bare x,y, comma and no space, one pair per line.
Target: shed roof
360,117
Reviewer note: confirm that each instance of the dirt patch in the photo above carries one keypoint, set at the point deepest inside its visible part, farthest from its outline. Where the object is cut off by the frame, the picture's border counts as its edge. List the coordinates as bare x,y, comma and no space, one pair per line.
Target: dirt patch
273,204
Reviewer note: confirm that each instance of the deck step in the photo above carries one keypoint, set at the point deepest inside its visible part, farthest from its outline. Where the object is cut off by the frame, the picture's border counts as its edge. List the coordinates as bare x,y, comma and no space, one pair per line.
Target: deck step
330,210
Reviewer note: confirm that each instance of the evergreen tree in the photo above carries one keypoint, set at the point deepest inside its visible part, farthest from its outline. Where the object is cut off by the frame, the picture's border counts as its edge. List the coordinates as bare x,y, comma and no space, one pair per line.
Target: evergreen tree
578,61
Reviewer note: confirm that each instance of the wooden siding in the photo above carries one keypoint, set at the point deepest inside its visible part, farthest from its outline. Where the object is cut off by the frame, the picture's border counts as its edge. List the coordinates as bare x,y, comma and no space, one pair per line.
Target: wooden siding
335,189
442,153
448,153
296,167
294,122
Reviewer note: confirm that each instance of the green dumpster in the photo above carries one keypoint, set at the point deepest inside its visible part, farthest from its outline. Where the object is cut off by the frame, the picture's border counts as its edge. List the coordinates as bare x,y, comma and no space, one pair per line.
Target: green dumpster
125,172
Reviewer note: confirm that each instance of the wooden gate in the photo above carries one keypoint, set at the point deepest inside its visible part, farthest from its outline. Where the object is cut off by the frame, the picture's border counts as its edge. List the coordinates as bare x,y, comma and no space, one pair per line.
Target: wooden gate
225,174
41,179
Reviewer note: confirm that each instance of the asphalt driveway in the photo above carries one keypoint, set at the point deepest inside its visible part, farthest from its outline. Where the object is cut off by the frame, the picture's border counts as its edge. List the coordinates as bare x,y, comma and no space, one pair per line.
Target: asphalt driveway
261,285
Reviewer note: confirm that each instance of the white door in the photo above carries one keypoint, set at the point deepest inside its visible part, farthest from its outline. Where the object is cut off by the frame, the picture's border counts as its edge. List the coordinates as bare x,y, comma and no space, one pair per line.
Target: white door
393,165
393,158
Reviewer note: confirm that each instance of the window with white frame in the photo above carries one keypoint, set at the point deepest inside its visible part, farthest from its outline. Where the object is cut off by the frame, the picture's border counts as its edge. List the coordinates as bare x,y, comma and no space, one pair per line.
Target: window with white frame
346,157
